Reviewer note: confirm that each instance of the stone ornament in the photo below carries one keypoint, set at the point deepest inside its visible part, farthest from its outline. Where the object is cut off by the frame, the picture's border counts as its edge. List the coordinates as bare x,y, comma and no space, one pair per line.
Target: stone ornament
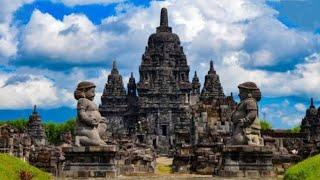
90,125
245,118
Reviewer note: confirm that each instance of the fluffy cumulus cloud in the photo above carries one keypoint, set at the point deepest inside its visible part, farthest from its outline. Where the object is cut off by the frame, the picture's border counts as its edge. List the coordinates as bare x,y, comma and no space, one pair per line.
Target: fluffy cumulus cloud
75,38
303,80
18,91
8,32
243,37
207,29
87,2
300,107
48,88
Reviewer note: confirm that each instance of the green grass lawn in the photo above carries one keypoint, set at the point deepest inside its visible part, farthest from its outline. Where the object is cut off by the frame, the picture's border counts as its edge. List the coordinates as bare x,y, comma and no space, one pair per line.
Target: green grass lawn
308,169
11,167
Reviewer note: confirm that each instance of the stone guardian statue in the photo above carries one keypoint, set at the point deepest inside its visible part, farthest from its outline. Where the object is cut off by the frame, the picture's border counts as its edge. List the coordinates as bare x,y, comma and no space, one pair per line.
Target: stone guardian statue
90,125
246,125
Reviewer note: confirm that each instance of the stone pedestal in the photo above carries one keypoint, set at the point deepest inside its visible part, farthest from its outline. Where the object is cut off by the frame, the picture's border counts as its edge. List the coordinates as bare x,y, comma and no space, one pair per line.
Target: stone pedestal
90,162
246,161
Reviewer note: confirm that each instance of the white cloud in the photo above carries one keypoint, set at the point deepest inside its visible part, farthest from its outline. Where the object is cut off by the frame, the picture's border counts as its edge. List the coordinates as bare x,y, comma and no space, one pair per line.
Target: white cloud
10,6
55,89
87,2
206,28
34,90
300,107
8,31
301,81
236,34
8,43
75,38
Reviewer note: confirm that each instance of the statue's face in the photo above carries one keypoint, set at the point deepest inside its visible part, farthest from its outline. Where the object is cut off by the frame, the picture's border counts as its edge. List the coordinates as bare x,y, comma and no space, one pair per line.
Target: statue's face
90,94
243,94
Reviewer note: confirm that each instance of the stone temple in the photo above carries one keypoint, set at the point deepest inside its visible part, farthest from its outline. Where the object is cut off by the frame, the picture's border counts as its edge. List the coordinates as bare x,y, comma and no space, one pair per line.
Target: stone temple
165,114
154,106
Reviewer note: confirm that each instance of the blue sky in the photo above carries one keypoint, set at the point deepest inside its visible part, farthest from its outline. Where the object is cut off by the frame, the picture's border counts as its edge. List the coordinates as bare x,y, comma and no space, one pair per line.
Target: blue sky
48,46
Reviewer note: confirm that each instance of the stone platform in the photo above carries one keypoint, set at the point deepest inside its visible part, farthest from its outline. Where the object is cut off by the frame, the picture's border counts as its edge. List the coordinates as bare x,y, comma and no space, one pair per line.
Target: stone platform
247,161
90,162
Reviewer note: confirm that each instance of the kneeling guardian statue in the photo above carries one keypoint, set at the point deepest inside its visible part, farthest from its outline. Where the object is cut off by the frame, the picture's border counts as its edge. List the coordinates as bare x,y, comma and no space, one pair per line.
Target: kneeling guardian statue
245,120
90,125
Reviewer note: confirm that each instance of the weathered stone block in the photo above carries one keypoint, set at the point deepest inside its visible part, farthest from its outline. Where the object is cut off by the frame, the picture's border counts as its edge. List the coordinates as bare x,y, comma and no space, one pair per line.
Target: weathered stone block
247,161
90,162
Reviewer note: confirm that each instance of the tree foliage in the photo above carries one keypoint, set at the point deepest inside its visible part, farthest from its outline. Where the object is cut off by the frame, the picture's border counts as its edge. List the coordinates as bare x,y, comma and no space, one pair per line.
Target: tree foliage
265,125
52,130
295,129
20,124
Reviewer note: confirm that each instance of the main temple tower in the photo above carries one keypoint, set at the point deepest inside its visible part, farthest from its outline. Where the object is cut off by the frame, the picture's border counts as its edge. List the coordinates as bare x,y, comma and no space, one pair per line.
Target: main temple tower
164,85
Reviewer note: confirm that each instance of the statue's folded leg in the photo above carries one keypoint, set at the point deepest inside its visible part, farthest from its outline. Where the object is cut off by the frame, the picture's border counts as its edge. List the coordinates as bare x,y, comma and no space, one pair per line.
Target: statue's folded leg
89,138
102,128
85,141
238,137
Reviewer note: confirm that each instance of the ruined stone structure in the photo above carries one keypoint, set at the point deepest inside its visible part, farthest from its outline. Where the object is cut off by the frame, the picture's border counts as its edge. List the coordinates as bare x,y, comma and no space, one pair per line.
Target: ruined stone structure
30,145
309,133
205,131
114,101
212,87
288,148
159,109
208,127
35,128
132,113
163,86
310,125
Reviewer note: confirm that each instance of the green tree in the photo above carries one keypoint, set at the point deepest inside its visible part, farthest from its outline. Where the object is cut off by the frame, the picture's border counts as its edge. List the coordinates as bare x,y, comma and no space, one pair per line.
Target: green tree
53,130
295,129
20,124
265,125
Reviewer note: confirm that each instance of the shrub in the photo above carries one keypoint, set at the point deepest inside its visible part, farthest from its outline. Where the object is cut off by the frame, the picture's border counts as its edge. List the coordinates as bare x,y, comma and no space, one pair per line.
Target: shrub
296,129
53,130
265,125
20,124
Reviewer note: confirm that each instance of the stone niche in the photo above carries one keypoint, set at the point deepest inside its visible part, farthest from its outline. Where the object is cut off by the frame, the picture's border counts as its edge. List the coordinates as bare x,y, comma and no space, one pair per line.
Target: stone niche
247,161
90,162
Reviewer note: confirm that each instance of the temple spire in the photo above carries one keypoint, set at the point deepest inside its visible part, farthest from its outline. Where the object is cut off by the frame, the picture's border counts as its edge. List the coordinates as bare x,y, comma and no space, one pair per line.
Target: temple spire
195,84
131,86
164,25
211,70
164,17
114,68
34,109
311,103
114,65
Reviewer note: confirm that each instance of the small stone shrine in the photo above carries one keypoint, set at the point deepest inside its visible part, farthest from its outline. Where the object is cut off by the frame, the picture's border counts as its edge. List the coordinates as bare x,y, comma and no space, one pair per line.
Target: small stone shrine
114,102
35,128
